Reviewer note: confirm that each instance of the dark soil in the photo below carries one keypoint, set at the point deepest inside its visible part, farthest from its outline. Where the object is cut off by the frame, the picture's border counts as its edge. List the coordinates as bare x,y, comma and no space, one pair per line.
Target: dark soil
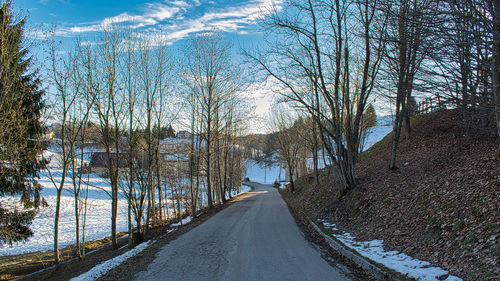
442,204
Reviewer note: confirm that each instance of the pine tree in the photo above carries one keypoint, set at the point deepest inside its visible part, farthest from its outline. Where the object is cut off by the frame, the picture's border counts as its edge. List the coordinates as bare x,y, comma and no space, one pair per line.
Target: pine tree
369,117
20,108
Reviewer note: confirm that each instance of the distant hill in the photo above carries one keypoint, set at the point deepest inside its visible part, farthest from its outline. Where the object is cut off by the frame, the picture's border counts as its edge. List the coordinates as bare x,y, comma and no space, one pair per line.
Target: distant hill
441,205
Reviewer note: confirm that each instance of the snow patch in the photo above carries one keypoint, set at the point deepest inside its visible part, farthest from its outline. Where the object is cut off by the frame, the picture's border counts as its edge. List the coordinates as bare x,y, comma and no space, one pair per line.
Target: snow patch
374,250
183,221
377,133
103,268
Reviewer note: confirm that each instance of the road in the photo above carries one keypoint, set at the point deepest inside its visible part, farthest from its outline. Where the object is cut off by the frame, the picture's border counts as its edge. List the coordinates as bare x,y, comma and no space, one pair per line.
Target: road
254,239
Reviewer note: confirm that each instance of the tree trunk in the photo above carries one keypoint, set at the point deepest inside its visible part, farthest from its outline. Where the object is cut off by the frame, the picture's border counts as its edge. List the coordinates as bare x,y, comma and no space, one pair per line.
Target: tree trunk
158,179
77,227
396,132
315,153
290,173
114,213
209,180
131,186
56,223
496,61
346,167
401,93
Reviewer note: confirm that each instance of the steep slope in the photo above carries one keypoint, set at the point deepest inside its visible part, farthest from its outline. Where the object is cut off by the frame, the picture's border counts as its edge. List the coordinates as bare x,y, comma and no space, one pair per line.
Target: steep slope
441,205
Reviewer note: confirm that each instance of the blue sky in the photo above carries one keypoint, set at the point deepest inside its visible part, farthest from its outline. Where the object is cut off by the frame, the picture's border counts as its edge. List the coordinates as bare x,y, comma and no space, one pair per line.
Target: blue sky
178,20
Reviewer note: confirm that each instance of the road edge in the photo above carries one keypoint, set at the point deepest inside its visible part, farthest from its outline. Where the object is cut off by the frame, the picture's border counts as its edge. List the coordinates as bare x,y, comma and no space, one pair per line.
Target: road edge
372,268
377,270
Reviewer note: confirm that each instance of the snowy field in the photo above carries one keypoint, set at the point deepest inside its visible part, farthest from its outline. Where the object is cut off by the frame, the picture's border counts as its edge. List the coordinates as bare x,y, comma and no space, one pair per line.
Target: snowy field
263,173
373,250
377,133
98,221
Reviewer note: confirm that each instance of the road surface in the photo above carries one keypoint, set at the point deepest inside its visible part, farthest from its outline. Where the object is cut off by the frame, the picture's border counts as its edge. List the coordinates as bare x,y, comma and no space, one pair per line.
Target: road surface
254,239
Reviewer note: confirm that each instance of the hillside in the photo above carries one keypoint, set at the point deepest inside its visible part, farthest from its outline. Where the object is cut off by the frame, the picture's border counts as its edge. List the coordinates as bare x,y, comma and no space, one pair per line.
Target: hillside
442,205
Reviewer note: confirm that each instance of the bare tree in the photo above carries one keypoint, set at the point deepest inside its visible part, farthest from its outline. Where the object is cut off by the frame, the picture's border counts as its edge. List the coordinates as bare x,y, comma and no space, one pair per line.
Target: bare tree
73,107
62,78
308,136
211,75
459,70
408,29
287,141
194,149
319,45
103,68
131,93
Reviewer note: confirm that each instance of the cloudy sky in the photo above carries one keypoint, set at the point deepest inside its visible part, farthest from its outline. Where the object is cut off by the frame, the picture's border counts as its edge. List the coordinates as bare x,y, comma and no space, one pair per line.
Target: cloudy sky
176,20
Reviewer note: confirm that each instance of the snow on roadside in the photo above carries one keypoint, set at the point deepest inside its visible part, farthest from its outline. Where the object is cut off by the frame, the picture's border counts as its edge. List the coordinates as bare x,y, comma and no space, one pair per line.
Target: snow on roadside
244,188
373,250
103,268
184,221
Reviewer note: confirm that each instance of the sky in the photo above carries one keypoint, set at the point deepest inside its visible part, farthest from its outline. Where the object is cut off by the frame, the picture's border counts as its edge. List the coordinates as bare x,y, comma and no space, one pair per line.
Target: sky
179,20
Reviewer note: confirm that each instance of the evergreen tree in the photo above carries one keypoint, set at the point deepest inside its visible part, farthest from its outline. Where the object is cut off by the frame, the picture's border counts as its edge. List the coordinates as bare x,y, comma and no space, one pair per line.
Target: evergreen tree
20,109
170,132
369,117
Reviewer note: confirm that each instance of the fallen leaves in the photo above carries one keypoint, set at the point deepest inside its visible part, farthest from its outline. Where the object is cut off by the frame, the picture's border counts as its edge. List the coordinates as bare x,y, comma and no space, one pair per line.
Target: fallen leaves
443,206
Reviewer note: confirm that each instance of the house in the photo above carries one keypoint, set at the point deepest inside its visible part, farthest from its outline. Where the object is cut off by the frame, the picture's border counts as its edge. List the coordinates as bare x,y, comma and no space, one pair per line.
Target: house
169,161
47,134
183,135
99,160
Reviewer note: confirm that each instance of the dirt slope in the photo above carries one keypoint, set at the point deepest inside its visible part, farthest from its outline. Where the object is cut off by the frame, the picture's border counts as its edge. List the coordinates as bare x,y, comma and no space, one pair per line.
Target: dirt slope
441,205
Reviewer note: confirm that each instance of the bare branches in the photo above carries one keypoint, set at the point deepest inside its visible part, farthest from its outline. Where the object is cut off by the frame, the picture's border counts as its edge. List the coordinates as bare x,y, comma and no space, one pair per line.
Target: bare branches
317,59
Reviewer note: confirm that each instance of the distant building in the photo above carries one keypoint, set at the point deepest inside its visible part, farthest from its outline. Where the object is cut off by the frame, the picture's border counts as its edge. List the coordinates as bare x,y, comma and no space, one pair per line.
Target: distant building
183,135
48,134
169,160
100,159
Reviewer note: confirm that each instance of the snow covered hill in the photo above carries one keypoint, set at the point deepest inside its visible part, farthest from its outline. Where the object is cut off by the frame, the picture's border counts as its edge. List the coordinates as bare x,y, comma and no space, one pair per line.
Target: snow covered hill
270,171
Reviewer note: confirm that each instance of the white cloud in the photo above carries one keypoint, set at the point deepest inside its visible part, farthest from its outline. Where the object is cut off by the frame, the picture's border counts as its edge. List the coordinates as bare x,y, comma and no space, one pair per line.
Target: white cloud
175,23
228,19
46,2
153,15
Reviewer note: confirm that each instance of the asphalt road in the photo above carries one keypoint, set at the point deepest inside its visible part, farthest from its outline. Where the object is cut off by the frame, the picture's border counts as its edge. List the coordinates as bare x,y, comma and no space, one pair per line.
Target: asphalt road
254,239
